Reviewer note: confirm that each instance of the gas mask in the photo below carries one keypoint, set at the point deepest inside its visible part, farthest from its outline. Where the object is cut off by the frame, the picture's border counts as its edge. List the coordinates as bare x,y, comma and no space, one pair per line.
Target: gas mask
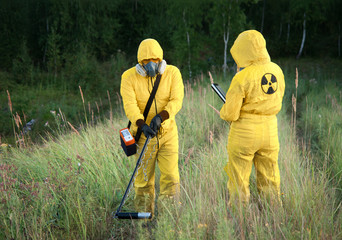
151,68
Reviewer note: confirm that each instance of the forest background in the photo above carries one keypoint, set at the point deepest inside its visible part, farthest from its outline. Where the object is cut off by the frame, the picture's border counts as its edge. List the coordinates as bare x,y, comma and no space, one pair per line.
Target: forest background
52,49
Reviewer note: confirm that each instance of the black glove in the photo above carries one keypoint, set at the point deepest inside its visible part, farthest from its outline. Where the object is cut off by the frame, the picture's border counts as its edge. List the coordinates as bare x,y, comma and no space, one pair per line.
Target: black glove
156,122
148,132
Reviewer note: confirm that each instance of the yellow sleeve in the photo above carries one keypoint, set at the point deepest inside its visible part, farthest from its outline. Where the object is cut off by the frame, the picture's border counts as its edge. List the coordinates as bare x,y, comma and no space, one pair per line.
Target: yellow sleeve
230,111
129,98
177,94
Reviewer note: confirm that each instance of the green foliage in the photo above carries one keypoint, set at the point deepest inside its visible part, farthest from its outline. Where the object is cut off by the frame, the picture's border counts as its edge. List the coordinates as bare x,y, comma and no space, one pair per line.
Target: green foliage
224,17
22,68
83,70
323,129
53,32
319,112
283,26
59,91
13,26
54,62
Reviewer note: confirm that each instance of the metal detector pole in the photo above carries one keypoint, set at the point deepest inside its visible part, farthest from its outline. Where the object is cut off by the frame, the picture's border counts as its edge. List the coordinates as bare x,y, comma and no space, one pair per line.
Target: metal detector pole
133,215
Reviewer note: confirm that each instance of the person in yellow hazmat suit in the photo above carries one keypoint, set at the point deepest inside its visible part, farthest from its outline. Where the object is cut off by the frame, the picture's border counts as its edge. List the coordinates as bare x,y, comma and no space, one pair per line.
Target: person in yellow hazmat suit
136,86
252,102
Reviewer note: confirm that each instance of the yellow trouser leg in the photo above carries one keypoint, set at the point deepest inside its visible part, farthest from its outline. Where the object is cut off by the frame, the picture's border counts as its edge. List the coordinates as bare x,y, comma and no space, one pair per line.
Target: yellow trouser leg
169,174
145,178
167,157
239,168
168,165
267,173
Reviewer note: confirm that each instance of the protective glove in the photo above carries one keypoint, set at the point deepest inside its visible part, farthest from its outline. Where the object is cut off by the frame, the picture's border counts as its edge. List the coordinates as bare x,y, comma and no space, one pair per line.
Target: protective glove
156,122
148,132
158,119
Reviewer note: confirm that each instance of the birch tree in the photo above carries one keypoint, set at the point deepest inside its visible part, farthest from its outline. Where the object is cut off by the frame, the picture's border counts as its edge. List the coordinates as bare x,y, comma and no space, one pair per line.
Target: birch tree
303,38
188,26
226,37
308,14
188,42
339,40
227,19
263,16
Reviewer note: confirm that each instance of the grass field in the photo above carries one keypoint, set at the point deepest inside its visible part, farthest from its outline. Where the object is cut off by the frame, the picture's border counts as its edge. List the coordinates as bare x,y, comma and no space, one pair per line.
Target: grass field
68,187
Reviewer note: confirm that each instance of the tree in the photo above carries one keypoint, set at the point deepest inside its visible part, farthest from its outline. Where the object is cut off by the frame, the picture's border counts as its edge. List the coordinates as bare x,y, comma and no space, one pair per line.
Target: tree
333,26
263,16
303,38
14,21
227,18
189,33
308,15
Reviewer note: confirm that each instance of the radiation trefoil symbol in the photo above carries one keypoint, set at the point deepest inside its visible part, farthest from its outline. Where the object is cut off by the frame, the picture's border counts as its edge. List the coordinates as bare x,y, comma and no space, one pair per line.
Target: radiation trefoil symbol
269,83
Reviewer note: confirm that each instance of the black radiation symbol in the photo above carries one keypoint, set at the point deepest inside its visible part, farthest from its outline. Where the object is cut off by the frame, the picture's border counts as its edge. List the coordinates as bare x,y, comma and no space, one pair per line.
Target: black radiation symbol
269,83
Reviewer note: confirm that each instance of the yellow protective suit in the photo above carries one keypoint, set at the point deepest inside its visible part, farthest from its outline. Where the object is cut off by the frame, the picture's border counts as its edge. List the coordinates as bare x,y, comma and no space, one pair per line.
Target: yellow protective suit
252,102
135,92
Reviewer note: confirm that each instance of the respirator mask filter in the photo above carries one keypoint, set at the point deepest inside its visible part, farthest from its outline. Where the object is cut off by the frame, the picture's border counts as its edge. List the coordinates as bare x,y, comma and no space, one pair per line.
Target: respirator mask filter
151,68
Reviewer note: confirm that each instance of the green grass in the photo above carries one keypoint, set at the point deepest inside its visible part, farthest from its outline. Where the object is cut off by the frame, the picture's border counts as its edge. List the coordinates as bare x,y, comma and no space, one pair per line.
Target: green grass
68,187
319,113
35,93
323,131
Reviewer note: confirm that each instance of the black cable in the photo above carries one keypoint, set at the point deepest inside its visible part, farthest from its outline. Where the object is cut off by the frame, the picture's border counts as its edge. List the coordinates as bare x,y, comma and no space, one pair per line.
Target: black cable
155,106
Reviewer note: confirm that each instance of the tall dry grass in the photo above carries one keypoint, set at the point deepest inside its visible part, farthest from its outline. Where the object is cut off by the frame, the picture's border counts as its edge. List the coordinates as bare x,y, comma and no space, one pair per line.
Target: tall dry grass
69,187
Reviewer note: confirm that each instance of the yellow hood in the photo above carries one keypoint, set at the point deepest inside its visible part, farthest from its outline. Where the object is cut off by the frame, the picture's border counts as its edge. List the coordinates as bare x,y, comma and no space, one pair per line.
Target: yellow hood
250,48
149,48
